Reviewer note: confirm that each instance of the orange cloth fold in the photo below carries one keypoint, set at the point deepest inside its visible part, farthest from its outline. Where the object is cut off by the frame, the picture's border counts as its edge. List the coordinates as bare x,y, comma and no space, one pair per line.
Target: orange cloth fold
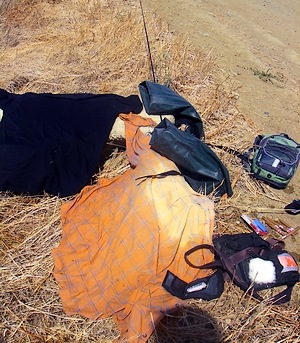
121,235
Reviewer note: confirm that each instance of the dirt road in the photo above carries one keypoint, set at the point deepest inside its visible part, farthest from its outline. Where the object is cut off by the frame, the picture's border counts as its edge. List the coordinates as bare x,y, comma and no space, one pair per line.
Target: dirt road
257,43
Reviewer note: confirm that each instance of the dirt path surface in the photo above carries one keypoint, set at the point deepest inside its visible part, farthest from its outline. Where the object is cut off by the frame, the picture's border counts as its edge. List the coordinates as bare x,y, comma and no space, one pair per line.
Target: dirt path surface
248,37
257,44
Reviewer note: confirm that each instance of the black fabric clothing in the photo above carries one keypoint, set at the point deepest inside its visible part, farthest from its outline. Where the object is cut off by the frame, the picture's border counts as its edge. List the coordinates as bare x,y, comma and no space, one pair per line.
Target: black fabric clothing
53,142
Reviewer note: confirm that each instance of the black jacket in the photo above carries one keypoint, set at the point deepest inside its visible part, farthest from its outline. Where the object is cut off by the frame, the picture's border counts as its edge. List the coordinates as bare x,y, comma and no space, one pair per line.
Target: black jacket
53,142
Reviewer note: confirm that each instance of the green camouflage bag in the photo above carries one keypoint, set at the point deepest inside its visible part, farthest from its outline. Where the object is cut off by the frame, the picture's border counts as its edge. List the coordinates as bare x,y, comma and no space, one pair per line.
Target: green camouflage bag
275,159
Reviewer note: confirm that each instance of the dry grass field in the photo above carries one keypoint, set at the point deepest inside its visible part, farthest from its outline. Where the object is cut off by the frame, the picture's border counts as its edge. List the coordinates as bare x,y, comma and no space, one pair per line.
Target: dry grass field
99,46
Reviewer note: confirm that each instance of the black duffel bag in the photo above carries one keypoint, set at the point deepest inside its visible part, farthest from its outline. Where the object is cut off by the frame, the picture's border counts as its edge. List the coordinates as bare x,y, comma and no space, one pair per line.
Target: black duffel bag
200,166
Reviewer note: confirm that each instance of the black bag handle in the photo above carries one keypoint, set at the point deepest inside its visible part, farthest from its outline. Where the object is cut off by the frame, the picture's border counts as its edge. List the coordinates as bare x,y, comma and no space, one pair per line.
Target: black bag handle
211,265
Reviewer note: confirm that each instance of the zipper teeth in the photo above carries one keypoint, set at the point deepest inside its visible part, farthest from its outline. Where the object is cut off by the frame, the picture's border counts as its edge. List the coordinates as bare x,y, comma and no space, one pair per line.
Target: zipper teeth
292,152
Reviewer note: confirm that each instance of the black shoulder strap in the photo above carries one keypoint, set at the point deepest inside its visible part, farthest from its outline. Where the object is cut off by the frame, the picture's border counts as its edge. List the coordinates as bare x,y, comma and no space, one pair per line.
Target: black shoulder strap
225,262
257,140
276,244
243,156
282,297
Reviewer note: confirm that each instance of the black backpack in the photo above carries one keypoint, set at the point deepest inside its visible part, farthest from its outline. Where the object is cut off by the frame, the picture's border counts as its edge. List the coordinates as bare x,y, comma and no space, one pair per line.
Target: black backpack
250,262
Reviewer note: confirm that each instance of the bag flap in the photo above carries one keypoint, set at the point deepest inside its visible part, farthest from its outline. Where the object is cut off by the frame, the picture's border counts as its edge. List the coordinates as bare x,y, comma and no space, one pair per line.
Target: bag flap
161,100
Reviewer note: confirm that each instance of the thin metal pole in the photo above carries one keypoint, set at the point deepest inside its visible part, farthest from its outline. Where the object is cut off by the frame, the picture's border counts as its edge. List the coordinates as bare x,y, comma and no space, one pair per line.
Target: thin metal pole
148,44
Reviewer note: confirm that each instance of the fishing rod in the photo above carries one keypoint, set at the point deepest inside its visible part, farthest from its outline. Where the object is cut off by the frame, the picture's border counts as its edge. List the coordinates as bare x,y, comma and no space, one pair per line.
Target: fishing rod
148,48
148,44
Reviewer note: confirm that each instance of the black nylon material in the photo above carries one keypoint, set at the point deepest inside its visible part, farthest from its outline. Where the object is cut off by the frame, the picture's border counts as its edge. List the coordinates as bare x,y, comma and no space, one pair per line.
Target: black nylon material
161,100
53,142
199,165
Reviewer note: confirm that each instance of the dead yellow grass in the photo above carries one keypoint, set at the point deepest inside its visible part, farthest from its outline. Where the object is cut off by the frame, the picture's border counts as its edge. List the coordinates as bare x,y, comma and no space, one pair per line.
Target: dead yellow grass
99,46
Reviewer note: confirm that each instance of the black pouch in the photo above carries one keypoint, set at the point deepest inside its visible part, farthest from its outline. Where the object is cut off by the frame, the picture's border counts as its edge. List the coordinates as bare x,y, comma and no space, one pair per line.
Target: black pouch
207,288
199,165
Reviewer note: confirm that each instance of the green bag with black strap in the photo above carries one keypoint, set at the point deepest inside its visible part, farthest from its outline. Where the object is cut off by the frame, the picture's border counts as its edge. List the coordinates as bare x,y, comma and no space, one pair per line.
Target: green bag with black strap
275,159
